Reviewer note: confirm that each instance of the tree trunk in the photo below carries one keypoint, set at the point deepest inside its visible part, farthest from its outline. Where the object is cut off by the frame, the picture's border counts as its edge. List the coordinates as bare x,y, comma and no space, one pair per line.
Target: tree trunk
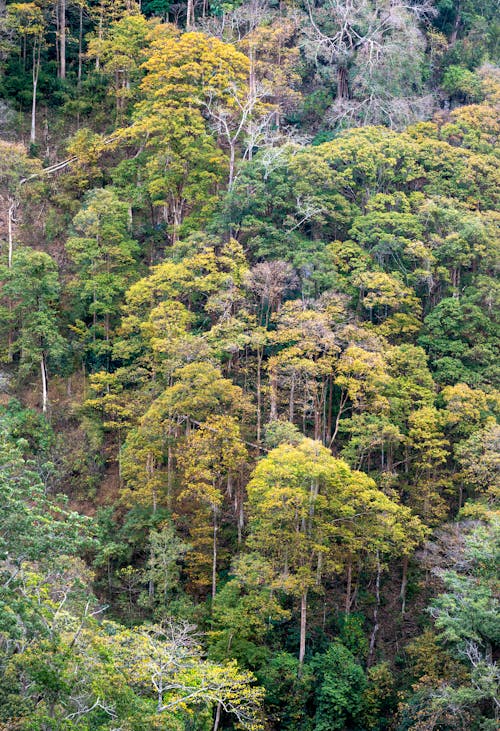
273,393
10,234
259,392
36,70
404,583
343,401
214,557
62,39
342,85
456,25
217,717
80,47
57,37
99,35
303,627
348,588
232,157
375,629
45,387
190,14
317,419
291,409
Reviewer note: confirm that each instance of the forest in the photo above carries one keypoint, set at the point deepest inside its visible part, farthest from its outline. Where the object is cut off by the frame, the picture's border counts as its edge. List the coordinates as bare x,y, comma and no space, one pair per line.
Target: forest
249,336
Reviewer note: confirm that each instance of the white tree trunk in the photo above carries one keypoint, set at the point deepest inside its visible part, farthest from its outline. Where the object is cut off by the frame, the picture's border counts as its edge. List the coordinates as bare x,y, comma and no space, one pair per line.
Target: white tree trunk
10,234
36,70
303,627
62,39
214,557
45,387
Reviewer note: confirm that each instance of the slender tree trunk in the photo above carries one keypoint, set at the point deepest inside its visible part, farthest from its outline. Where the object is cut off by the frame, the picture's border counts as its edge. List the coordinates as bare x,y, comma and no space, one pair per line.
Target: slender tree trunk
343,401
217,717
36,70
45,387
273,393
99,35
10,236
330,404
259,392
404,583
348,588
303,628
342,84
57,43
375,629
62,39
169,476
190,14
291,409
232,157
456,25
214,557
80,47
317,419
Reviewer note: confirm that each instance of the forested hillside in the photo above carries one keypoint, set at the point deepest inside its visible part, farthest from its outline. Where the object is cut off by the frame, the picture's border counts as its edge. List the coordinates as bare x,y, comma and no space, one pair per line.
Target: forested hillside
249,441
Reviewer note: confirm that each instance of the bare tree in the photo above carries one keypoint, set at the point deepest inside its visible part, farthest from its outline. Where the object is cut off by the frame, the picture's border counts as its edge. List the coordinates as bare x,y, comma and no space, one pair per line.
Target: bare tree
370,50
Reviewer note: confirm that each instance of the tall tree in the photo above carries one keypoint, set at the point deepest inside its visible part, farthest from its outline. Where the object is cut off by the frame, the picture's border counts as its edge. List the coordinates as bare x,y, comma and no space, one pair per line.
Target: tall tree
104,255
32,285
27,20
309,512
212,461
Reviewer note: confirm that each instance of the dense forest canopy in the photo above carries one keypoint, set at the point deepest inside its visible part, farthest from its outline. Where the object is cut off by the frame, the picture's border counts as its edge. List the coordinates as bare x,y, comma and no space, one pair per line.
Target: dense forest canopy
249,441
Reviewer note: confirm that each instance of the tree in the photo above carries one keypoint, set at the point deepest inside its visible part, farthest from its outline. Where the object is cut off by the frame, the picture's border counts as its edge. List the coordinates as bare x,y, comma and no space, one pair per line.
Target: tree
212,461
121,53
163,569
104,255
465,615
32,286
15,167
360,47
478,456
28,22
361,376
165,664
426,439
243,611
340,686
186,74
309,511
34,525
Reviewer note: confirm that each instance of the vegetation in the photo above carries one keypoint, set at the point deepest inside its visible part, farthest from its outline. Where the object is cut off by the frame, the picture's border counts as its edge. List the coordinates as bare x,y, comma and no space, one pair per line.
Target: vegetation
249,376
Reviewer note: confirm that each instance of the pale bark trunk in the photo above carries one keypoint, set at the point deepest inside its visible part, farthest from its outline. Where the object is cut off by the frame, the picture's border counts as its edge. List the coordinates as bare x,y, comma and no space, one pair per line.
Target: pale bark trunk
214,558
273,393
375,629
259,393
36,70
80,46
232,157
190,15
62,38
45,389
404,583
343,401
10,234
291,409
456,25
303,627
99,35
348,588
217,717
